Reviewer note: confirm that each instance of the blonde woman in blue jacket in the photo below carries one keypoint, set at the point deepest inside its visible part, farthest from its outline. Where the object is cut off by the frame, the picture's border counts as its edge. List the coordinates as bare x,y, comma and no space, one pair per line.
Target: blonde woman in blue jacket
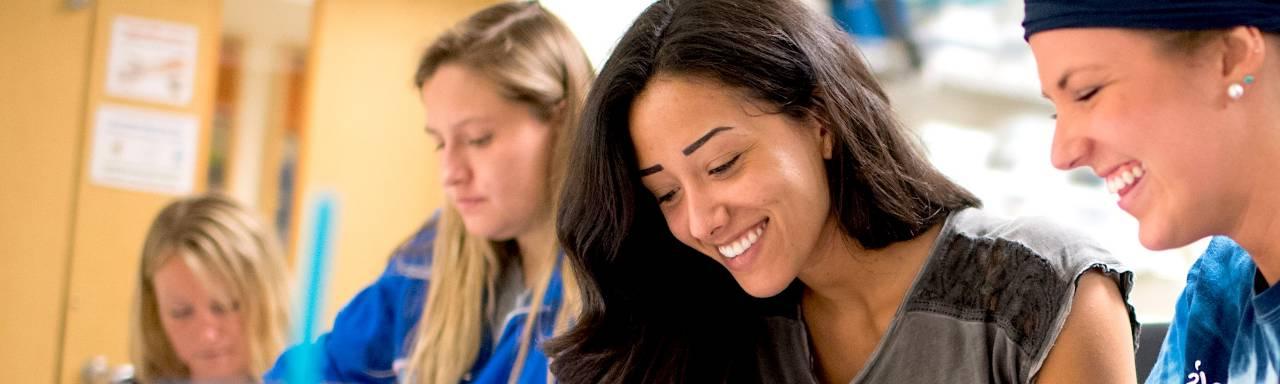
473,293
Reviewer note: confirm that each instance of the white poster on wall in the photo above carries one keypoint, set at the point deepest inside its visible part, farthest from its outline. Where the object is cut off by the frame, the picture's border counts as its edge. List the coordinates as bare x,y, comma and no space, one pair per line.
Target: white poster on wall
144,150
152,60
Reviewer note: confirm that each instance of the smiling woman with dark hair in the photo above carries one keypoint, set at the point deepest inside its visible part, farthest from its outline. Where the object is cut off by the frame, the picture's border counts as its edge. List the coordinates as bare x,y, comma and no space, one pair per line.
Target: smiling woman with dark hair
749,137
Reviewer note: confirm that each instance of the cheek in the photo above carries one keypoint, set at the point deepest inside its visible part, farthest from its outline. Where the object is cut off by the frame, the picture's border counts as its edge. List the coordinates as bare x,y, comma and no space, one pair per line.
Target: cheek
796,179
1126,125
236,331
522,167
234,328
1161,132
179,334
679,226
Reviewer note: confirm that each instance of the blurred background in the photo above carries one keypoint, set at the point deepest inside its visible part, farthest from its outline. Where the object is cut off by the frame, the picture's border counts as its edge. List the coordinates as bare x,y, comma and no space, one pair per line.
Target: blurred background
111,108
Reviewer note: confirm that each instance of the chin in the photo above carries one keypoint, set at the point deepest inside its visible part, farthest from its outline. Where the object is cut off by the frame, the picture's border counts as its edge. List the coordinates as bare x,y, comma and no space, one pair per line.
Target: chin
482,228
220,373
762,288
1162,237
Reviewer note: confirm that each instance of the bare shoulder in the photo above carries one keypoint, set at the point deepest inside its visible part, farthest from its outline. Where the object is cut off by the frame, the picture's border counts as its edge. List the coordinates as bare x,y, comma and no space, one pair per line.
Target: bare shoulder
1096,343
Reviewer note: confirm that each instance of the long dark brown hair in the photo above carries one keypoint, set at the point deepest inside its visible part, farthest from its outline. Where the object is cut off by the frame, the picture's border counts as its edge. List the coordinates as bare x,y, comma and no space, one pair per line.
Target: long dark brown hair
655,310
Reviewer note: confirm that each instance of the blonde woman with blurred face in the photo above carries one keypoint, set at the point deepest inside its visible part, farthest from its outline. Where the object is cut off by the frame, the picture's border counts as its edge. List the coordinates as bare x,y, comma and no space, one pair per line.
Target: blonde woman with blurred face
211,301
1174,104
477,289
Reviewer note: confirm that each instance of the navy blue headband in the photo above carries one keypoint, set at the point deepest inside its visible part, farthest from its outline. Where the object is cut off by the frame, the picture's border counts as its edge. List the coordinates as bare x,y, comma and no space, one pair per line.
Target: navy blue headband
1043,15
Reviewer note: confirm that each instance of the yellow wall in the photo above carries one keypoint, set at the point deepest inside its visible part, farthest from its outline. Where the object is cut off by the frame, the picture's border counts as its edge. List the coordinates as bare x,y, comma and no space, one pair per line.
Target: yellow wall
41,124
362,138
69,248
111,223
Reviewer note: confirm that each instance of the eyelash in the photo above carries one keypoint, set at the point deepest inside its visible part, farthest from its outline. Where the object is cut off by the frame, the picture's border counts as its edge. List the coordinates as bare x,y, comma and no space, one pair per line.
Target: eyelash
481,141
667,197
476,142
714,171
217,309
725,167
1086,96
181,313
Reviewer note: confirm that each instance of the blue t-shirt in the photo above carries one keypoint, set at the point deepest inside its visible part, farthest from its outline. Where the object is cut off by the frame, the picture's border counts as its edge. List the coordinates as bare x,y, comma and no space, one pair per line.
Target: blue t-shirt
374,332
1225,326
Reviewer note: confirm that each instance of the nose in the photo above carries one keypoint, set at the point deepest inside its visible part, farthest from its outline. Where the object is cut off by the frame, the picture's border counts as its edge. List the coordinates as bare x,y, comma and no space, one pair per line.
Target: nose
1070,146
707,216
210,327
210,333
455,169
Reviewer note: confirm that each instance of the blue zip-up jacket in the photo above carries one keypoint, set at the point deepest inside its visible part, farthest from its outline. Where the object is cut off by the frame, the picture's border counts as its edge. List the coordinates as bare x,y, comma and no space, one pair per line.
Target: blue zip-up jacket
374,333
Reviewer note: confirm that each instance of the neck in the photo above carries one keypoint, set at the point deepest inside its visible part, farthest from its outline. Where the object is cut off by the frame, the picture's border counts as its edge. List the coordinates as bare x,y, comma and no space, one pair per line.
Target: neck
1258,227
847,277
537,253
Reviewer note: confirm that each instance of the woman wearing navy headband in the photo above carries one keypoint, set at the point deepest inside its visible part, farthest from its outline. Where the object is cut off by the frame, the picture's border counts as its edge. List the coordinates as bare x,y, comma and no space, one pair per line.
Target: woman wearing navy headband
1173,103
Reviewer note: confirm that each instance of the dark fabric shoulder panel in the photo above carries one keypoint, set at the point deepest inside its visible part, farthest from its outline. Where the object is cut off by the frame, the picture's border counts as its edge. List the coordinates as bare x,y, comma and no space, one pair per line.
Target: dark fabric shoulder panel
996,281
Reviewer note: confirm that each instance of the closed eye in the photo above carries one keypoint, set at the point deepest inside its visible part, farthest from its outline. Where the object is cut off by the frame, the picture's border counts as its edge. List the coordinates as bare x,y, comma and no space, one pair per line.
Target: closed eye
219,308
667,197
1087,94
726,166
481,141
180,313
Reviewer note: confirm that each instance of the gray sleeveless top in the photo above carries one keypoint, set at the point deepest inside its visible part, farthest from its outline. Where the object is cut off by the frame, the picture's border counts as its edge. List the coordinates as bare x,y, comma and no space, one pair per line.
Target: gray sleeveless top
985,308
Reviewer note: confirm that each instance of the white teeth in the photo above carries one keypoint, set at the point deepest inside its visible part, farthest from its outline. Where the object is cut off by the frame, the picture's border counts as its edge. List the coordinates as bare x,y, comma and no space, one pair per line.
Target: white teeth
1121,180
741,245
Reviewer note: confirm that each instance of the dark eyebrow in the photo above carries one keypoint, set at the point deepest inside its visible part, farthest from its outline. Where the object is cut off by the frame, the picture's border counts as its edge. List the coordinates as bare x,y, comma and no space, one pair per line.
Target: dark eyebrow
703,140
651,170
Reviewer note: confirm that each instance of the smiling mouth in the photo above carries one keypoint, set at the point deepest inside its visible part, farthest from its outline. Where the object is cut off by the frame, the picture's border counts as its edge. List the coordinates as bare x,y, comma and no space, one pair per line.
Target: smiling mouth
742,244
1123,180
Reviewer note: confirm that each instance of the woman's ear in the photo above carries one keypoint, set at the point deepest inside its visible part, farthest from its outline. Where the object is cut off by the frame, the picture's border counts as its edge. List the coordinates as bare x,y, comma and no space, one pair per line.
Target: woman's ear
826,138
1246,49
557,113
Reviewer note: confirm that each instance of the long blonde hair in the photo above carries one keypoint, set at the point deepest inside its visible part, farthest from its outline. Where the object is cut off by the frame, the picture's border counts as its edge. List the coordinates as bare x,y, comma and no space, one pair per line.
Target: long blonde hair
535,60
228,247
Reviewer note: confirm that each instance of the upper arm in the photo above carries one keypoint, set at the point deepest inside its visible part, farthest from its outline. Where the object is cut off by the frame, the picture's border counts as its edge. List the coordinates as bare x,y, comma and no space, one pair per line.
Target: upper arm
361,346
1096,342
